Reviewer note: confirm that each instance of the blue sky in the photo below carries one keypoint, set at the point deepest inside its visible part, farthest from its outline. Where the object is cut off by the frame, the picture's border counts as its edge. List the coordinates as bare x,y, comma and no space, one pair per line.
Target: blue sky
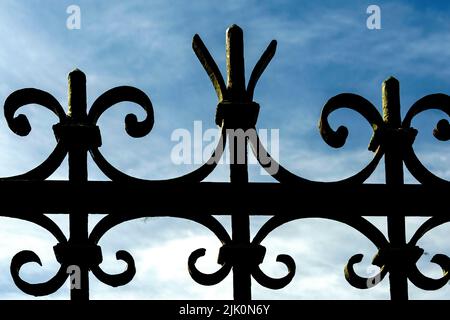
324,48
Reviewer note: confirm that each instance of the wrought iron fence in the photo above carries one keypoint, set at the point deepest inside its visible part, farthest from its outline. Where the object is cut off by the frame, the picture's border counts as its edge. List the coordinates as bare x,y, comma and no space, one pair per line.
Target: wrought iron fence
125,198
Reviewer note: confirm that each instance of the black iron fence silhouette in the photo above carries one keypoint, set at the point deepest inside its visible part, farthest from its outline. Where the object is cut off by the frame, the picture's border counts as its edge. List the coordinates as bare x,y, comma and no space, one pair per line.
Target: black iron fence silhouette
125,198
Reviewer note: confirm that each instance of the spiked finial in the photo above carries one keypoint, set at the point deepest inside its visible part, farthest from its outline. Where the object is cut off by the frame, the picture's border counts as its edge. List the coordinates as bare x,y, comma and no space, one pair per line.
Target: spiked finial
77,94
235,89
235,63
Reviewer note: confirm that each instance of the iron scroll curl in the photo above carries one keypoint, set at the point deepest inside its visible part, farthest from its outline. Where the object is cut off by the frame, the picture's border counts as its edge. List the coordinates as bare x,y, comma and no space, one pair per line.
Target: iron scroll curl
110,221
358,223
27,256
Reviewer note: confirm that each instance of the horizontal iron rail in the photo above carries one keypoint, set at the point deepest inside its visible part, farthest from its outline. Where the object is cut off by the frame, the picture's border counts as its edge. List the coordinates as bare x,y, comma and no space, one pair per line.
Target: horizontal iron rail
165,198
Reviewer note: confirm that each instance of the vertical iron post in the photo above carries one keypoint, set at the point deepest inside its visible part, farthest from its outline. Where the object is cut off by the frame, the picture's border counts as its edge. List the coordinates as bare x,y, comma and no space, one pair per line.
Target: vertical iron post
78,223
394,177
240,222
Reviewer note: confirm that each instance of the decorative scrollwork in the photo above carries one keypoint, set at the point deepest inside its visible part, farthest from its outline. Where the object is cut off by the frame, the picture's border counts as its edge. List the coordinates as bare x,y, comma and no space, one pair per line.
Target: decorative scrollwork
333,138
27,256
283,175
437,101
276,283
21,126
120,279
35,289
426,283
125,277
195,176
203,278
358,223
133,127
336,139
441,260
362,282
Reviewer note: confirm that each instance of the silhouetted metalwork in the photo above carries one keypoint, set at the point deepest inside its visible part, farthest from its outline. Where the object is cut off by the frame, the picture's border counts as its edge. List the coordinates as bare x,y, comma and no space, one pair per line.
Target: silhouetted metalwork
125,198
